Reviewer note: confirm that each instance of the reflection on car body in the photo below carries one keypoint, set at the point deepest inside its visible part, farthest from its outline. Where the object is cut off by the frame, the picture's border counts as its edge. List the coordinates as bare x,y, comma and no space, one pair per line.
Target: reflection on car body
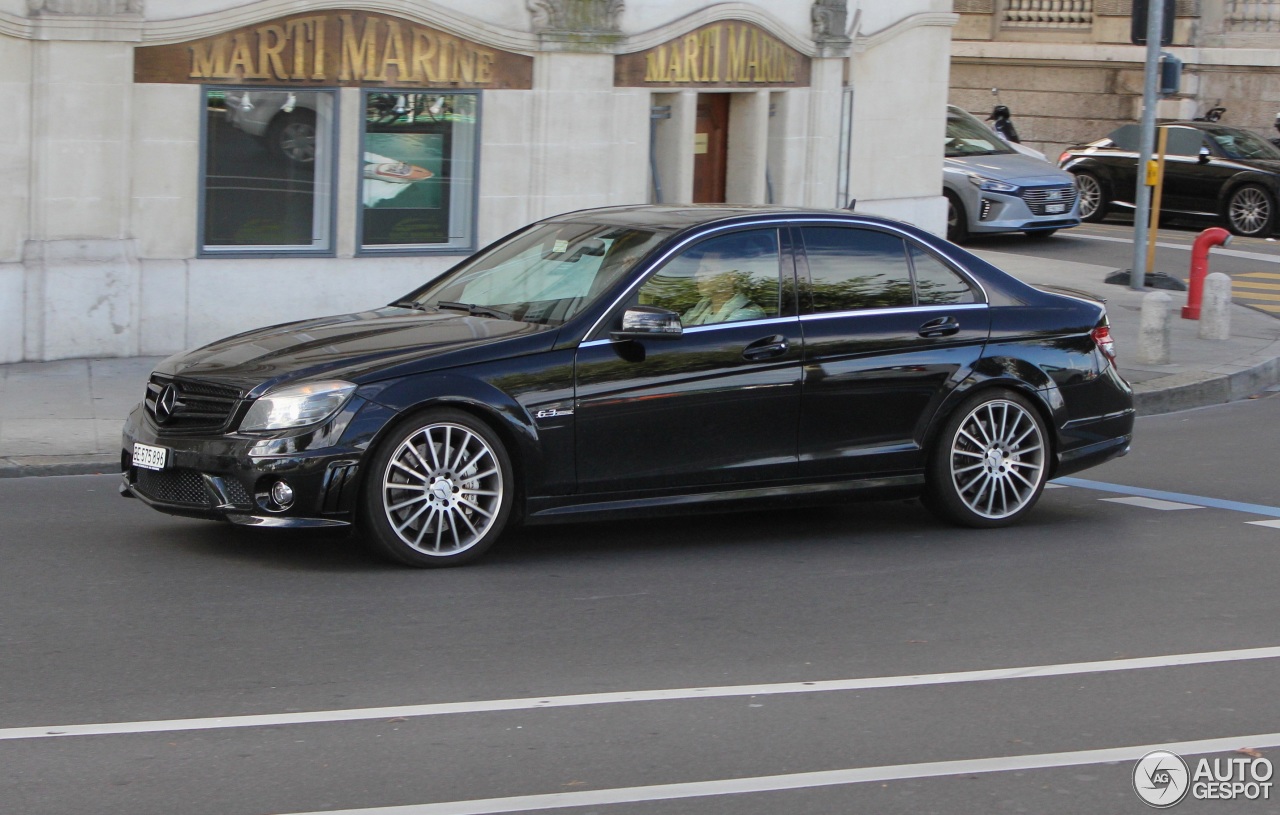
549,377
1211,172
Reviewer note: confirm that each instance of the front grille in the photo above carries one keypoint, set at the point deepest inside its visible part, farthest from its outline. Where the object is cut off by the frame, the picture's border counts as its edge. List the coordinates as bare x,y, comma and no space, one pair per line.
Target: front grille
184,404
191,488
1038,198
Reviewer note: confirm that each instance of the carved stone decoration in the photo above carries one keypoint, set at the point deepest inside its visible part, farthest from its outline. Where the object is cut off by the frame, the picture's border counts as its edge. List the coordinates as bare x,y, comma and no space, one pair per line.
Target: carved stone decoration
830,24
576,16
85,8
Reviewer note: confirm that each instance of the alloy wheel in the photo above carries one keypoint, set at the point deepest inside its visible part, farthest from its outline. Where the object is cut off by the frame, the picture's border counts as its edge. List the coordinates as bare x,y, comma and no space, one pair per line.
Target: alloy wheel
997,459
1249,212
442,489
1090,195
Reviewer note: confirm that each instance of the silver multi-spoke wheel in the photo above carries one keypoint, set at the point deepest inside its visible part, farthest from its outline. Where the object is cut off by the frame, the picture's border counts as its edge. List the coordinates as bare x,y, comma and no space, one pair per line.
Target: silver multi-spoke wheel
439,493
997,459
1093,202
1251,212
990,464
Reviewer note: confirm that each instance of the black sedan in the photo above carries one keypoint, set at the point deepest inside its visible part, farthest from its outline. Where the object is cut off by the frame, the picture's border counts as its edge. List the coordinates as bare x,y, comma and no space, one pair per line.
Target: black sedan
1212,172
622,361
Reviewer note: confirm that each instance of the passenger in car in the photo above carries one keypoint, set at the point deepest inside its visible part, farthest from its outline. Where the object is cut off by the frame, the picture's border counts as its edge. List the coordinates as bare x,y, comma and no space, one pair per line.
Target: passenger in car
722,299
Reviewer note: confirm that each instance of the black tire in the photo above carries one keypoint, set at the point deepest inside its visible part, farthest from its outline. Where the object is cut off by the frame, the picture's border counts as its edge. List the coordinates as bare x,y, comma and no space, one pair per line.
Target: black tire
1251,211
990,462
1093,197
957,219
437,491
292,136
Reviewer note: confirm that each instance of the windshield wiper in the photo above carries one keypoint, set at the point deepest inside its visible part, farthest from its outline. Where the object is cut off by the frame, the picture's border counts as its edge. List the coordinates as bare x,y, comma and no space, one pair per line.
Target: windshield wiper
475,310
416,306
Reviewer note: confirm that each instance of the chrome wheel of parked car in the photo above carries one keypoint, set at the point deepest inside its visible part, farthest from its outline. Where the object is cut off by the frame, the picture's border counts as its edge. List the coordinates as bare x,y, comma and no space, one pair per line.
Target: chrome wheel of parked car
1093,200
1251,212
990,464
439,491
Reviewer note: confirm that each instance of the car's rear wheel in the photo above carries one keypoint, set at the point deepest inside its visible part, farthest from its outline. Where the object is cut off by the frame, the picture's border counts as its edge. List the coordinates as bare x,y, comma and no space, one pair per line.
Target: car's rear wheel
1093,198
990,462
438,491
957,219
1251,212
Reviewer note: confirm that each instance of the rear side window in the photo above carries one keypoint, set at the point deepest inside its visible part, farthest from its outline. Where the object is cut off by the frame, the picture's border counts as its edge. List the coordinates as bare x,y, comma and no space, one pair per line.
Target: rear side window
852,269
936,283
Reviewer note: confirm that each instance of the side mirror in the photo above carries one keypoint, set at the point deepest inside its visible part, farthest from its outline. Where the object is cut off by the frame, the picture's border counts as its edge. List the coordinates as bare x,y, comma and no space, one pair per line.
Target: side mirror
1205,155
648,323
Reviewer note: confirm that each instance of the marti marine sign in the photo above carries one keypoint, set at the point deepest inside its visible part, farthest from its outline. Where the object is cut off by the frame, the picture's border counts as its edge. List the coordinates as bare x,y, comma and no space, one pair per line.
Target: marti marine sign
720,55
335,48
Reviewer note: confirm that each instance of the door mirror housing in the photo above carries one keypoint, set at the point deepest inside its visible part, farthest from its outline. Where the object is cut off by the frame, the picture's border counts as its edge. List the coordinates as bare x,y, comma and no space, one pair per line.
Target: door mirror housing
1205,155
649,323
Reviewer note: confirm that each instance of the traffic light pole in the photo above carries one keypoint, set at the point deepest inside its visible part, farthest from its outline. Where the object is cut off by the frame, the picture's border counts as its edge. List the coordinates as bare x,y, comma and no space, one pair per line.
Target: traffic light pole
1146,139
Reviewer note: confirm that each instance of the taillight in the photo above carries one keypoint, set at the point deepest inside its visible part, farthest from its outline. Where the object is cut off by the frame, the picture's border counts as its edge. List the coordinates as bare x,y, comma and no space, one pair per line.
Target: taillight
1102,338
1062,158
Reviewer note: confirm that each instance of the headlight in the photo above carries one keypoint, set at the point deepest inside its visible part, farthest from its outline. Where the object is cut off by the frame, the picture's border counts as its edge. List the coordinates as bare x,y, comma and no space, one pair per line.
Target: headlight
297,405
991,185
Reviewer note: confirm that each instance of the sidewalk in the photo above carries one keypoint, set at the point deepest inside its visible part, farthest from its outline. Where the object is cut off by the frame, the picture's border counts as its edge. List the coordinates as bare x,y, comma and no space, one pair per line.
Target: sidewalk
64,417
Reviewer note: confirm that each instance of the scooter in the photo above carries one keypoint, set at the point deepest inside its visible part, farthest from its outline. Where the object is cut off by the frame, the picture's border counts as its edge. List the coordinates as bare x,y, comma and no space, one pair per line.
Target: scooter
1003,124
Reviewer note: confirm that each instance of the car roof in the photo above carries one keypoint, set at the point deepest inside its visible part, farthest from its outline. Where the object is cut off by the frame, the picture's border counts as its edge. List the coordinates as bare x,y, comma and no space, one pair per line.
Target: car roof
678,217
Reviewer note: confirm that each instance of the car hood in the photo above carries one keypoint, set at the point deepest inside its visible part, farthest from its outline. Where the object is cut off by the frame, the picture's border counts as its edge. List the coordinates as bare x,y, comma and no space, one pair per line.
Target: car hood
348,346
1012,167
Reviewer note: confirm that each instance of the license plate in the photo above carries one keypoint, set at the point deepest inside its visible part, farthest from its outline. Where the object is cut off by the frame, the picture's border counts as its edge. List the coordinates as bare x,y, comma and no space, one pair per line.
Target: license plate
150,458
1055,208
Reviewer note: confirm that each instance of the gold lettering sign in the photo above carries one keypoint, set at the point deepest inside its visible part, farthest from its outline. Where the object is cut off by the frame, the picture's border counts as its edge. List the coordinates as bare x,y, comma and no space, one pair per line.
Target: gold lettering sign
724,54
335,48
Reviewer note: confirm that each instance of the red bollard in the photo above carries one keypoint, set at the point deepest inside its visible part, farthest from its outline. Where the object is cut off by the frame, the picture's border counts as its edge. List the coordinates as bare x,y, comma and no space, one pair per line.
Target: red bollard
1214,236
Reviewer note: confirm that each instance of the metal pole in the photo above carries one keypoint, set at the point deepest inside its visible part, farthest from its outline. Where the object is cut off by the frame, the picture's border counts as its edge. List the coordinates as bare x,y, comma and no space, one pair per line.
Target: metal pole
1146,139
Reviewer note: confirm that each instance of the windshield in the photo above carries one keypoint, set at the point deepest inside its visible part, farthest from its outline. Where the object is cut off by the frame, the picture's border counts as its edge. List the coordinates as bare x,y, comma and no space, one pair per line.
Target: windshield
546,274
1243,144
968,138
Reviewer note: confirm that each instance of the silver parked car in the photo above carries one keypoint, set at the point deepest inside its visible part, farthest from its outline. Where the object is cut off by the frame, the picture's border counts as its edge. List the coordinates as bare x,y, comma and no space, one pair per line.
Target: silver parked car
991,187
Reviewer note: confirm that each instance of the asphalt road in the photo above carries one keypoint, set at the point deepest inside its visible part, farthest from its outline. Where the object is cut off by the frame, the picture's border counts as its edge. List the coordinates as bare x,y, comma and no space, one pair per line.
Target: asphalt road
1252,263
858,659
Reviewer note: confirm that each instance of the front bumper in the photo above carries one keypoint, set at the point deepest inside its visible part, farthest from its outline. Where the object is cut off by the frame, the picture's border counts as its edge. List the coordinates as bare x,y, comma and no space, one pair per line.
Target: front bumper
999,212
225,477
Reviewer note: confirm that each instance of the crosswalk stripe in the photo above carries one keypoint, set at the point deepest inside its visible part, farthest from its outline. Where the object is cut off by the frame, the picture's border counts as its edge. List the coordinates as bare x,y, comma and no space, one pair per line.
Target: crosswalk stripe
1260,296
1249,284
1268,275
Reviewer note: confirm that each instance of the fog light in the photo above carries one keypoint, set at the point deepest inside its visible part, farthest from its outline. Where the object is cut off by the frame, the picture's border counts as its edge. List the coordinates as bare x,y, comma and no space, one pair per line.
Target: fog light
282,495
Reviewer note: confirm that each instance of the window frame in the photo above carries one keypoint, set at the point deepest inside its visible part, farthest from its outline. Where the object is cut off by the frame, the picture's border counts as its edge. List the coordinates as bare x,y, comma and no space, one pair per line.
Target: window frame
465,245
203,249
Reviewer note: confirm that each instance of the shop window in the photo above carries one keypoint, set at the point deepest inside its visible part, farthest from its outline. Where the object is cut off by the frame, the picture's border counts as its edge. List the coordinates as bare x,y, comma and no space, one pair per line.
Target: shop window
418,176
268,171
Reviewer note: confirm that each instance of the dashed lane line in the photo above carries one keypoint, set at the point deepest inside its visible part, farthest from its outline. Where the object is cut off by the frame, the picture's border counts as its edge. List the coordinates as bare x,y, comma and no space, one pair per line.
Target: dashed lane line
664,695
809,780
1151,503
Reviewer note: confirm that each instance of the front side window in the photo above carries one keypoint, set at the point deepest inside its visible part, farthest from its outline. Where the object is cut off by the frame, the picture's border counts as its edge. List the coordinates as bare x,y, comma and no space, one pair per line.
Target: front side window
268,171
851,269
418,171
720,280
966,137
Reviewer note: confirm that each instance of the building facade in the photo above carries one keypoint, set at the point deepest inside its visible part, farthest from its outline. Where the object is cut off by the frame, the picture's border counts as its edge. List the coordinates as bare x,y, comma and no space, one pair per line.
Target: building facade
1069,73
179,170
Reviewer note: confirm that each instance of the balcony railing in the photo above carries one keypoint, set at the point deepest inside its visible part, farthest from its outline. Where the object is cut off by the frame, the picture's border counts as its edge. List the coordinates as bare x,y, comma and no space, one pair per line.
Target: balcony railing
1245,16
1071,14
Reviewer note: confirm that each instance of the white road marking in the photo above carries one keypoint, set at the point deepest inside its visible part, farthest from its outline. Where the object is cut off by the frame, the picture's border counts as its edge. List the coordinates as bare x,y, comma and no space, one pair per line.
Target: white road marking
667,695
827,778
1273,524
1151,503
1217,250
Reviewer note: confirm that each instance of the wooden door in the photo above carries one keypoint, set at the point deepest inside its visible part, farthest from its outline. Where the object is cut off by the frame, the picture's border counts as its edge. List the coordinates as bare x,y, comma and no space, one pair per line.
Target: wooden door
711,148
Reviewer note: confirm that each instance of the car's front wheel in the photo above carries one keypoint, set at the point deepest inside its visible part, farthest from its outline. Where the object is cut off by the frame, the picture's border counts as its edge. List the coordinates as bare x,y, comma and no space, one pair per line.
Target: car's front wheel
438,491
1093,198
957,219
990,461
1251,212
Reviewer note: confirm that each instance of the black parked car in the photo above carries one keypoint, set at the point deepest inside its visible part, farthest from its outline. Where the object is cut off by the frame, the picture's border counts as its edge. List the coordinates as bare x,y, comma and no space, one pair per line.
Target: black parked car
626,360
1212,172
